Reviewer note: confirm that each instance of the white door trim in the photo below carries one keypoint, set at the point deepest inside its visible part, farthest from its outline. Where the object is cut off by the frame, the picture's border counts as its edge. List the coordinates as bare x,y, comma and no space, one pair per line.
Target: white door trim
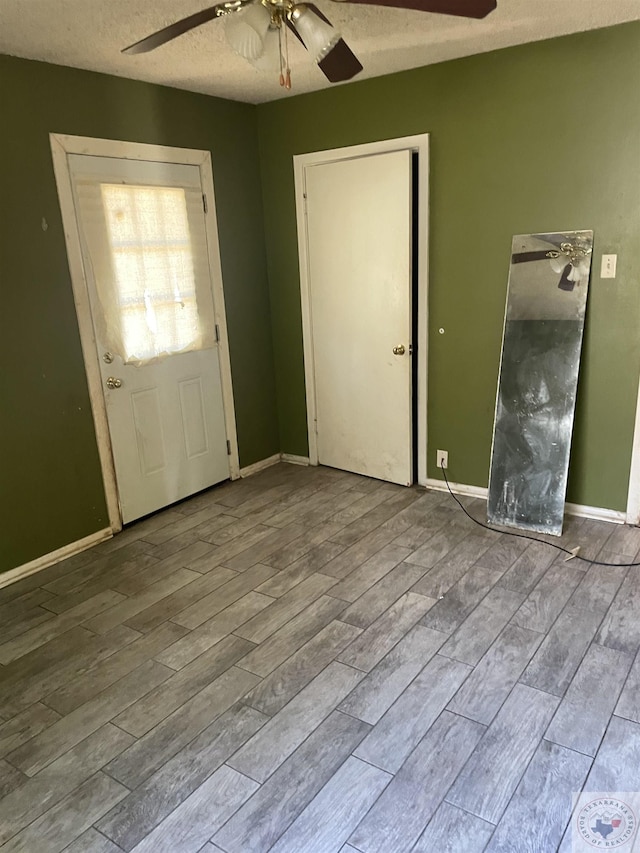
420,145
62,146
633,499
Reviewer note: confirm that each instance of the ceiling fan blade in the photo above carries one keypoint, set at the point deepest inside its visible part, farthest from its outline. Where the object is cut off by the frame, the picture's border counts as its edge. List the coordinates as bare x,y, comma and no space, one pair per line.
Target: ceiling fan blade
565,282
340,63
525,257
463,8
174,30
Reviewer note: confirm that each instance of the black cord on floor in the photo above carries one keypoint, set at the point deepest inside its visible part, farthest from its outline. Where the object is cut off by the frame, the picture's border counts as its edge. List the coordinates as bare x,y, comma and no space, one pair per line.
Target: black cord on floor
532,538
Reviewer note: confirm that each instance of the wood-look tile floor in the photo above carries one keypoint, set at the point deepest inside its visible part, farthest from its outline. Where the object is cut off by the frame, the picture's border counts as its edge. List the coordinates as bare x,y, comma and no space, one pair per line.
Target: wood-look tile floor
308,660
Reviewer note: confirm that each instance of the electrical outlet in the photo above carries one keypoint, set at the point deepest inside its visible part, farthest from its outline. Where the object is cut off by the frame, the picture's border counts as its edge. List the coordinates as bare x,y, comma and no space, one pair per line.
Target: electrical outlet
442,457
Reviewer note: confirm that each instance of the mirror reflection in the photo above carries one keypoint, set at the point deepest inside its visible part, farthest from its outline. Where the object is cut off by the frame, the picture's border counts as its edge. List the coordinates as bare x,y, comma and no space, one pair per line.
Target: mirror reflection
544,322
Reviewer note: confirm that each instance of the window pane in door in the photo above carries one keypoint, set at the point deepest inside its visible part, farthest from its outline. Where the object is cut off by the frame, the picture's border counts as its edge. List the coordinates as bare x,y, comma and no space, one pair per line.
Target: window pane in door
153,270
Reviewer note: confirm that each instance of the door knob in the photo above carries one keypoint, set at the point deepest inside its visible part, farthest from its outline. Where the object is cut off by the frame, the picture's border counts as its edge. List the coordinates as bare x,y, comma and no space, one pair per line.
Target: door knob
399,350
112,382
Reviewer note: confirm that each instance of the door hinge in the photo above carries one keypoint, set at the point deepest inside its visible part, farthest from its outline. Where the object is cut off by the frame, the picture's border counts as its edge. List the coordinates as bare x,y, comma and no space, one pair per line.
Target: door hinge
217,333
228,448
205,205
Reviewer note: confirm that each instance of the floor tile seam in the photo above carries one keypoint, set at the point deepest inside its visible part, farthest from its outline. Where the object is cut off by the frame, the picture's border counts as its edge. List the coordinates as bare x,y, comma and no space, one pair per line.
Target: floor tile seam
55,805
61,664
487,726
317,675
76,787
295,652
304,740
287,500
604,543
284,625
593,640
566,607
376,799
542,738
529,594
369,588
174,673
577,752
493,643
205,779
391,648
394,775
104,723
478,603
195,736
373,529
406,687
213,591
261,784
591,758
299,556
443,557
376,527
298,519
626,679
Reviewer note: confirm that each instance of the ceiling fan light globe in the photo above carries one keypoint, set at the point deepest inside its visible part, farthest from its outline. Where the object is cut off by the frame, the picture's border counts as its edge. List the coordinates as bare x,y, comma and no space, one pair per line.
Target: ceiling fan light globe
558,264
246,30
318,36
269,59
576,273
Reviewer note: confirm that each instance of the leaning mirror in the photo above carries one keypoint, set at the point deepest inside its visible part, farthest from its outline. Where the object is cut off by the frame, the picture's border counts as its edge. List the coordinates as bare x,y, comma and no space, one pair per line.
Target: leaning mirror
544,322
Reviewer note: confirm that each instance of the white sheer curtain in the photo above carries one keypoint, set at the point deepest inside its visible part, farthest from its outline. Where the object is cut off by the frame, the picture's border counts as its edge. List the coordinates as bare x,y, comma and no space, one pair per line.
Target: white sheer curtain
147,247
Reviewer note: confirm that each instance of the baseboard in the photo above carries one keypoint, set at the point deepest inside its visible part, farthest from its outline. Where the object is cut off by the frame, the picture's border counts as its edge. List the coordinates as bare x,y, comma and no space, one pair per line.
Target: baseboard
456,488
47,560
261,465
294,460
594,512
597,513
273,460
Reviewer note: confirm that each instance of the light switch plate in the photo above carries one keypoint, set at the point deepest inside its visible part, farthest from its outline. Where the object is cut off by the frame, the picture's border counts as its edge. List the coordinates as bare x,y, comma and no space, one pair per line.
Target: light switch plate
608,268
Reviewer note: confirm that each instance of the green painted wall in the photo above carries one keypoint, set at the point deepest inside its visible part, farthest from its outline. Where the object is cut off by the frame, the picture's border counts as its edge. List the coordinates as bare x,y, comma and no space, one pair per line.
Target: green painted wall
51,489
542,137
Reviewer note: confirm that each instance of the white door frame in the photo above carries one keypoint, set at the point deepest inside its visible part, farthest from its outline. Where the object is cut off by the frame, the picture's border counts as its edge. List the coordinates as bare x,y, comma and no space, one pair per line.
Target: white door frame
62,146
420,145
633,499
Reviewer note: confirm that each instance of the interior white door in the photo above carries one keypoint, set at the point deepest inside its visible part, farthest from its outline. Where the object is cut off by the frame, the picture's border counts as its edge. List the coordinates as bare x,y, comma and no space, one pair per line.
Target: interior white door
144,244
359,254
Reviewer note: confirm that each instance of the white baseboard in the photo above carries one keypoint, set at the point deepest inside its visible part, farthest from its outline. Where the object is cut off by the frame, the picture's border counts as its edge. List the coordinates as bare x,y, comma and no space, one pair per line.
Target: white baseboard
456,488
597,513
273,460
261,465
47,560
594,512
294,460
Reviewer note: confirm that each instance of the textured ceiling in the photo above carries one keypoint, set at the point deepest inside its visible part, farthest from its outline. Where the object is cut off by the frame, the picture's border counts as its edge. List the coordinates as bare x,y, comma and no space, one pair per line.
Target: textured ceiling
90,33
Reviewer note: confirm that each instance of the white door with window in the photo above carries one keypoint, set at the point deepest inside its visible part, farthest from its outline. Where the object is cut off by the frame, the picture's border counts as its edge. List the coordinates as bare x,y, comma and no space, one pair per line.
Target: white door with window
143,236
358,250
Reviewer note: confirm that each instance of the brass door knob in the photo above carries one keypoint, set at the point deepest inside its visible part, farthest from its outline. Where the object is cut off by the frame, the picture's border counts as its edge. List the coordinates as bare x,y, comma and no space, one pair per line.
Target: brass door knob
112,382
399,350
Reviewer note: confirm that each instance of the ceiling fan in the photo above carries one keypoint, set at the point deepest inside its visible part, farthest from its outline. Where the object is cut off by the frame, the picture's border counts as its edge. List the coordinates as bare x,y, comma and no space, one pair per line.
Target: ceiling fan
571,259
258,30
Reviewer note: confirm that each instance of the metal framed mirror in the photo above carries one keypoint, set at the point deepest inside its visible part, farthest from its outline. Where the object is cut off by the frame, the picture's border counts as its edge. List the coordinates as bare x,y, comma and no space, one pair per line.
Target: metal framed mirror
542,340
